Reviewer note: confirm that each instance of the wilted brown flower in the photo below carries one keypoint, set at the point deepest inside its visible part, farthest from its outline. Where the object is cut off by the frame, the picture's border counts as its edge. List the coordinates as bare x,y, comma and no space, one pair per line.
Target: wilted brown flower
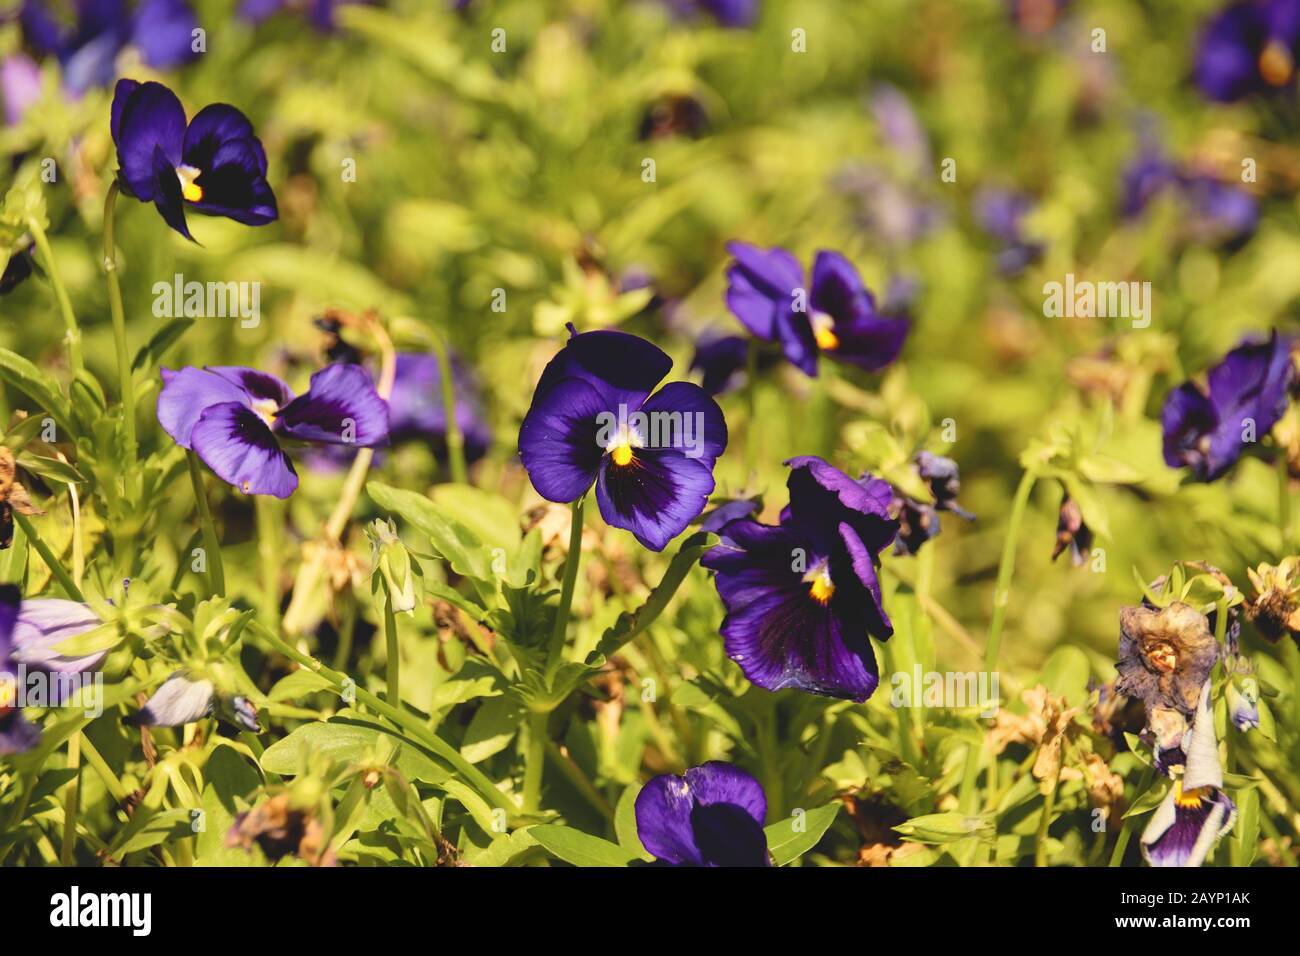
1072,533
13,497
1275,608
281,829
1165,657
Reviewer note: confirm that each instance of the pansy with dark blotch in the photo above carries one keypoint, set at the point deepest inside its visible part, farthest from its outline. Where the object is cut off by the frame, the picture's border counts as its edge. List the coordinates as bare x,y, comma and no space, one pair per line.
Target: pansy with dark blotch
235,418
215,165
711,816
1247,49
582,429
837,316
802,596
918,521
1196,813
87,49
1205,430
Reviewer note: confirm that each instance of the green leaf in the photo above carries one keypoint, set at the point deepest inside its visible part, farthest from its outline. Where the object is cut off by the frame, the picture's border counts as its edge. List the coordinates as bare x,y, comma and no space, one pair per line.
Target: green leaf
943,827
36,385
625,823
580,849
348,742
298,685
454,542
789,839
491,728
151,355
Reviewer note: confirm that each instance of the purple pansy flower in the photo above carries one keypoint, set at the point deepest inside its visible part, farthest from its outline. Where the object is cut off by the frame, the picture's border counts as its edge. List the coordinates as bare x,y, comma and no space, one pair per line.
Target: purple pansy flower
234,419
735,14
918,520
712,816
802,596
416,410
162,30
729,511
1196,813
838,315
320,13
1248,48
1207,431
593,419
721,360
215,165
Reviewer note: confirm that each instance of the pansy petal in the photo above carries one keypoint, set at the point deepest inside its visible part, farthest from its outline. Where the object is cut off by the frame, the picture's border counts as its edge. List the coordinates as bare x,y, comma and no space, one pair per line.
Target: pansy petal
623,368
341,407
188,393
821,496
871,342
163,32
837,289
210,129
716,782
862,560
663,821
146,117
713,816
235,187
45,623
655,496
1183,834
167,195
684,417
761,286
178,701
238,446
558,440
10,604
258,385
1187,416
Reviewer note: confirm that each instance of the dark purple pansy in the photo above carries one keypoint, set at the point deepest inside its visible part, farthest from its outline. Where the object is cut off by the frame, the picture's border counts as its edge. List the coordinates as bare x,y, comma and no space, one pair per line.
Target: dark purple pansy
87,49
803,596
593,419
918,521
711,816
837,316
728,511
1248,48
1196,813
215,165
1000,213
1207,431
235,418
320,13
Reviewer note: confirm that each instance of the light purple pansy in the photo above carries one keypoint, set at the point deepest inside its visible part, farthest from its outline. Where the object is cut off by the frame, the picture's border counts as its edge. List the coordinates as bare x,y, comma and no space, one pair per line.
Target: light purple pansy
594,420
712,816
235,418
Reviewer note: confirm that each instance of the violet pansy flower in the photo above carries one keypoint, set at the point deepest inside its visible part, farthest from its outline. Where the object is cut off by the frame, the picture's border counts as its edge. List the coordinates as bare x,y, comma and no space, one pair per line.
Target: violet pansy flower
837,316
235,418
593,420
320,13
417,412
215,165
1248,48
802,596
711,816
87,50
1206,431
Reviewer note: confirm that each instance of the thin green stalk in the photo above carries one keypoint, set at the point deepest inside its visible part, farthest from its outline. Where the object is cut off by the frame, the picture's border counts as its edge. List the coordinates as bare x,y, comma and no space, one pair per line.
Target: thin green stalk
216,570
574,773
111,783
393,665
71,801
534,761
555,650
770,756
119,324
1006,570
268,552
60,293
1126,829
455,439
412,725
1284,505
53,563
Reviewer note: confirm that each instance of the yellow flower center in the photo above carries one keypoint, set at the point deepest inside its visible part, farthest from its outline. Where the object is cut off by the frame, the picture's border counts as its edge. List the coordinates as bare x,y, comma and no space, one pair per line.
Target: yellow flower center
1276,64
8,693
191,190
622,453
822,589
1189,799
823,333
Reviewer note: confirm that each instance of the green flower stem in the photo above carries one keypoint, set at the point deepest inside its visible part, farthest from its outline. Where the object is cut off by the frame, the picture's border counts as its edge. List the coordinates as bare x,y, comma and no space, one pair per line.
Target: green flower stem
1126,830
60,293
534,760
412,725
393,665
1007,569
95,759
71,801
555,650
267,513
53,563
770,756
1045,821
1284,505
125,385
575,776
455,440
216,570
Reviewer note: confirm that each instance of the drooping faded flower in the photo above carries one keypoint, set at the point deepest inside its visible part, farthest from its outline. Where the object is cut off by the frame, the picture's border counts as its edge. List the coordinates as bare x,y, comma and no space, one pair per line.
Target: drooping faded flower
918,521
13,497
235,418
216,165
593,420
87,49
1071,533
185,697
1196,813
712,816
1275,607
1206,431
837,316
803,596
1247,49
281,828
1165,656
